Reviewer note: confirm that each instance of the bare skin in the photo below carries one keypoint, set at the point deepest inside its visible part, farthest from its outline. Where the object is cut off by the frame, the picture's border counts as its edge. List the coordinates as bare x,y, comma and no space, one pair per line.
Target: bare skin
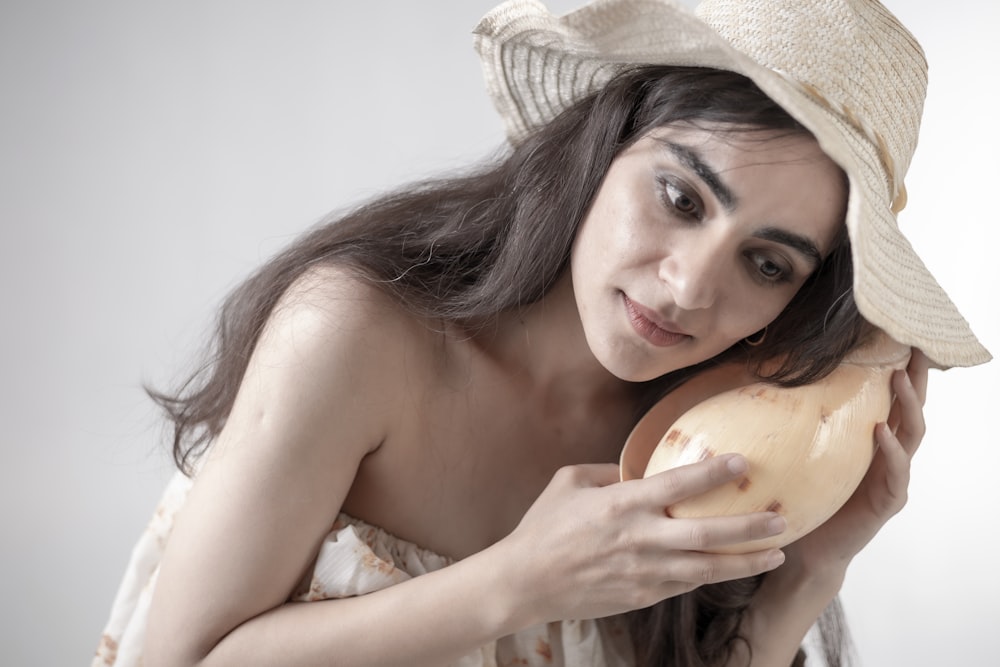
497,448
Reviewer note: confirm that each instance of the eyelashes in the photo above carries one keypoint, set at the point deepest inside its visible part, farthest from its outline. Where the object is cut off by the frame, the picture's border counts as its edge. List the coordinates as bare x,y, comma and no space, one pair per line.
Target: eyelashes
681,201
767,270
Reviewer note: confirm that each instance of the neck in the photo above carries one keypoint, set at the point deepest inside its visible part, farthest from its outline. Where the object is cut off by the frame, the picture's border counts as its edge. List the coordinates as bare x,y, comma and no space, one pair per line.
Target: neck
544,347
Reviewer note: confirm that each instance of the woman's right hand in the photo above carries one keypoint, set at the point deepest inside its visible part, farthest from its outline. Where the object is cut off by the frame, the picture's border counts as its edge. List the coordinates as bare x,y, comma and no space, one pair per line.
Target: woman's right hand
591,547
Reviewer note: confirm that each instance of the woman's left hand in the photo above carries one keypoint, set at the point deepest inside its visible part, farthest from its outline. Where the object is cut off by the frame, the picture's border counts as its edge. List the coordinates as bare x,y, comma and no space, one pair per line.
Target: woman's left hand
883,491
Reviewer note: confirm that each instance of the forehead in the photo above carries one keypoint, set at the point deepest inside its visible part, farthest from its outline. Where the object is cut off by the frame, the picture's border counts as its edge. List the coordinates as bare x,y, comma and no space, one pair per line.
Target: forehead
738,143
764,176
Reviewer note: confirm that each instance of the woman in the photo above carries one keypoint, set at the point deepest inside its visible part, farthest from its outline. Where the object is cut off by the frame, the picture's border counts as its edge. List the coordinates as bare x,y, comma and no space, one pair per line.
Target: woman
456,364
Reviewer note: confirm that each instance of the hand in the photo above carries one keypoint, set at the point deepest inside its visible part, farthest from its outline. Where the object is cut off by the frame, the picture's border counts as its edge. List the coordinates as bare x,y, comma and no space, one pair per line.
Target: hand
589,547
882,493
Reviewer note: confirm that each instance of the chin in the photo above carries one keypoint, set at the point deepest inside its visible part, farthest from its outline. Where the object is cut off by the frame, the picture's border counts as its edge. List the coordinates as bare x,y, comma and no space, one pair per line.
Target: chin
637,372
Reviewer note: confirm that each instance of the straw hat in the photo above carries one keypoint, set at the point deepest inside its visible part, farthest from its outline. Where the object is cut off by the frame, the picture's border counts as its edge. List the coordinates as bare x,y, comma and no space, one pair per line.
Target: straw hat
846,69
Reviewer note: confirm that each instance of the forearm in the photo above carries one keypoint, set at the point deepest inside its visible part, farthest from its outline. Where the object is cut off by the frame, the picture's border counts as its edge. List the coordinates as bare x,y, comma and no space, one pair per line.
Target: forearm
780,615
432,619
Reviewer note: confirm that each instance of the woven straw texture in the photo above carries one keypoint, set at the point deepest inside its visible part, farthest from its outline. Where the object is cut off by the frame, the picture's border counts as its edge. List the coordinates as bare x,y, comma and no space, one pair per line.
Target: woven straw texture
846,69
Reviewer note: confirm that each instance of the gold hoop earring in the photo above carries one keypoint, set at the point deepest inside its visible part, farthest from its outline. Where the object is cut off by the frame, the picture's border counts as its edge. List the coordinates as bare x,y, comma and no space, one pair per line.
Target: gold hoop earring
760,336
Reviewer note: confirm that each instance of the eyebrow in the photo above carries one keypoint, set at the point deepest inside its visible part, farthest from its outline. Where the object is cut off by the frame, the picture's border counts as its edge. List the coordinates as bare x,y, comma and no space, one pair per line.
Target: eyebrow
690,158
798,242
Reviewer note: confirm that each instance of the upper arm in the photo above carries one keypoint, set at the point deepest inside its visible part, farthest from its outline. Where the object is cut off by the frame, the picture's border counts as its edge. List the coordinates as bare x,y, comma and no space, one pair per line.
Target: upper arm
317,396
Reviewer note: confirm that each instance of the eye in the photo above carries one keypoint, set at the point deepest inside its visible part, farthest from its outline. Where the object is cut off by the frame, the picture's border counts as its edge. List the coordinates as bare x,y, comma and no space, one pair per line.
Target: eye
768,271
678,199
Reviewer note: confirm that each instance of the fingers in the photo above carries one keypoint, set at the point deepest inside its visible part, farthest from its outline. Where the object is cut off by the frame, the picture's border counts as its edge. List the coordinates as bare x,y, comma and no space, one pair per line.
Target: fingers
700,568
899,438
703,533
917,370
707,534
897,471
586,475
908,418
671,486
601,474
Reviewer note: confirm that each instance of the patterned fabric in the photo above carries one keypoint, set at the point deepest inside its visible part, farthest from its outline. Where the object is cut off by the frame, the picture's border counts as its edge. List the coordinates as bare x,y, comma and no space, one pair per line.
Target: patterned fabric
356,558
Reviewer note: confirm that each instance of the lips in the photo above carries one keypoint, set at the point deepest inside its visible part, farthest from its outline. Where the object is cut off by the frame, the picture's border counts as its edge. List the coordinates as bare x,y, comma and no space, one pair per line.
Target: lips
651,327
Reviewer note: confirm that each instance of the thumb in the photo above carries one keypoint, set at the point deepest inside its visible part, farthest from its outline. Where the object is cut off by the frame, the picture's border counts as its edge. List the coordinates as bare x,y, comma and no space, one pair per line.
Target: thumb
598,474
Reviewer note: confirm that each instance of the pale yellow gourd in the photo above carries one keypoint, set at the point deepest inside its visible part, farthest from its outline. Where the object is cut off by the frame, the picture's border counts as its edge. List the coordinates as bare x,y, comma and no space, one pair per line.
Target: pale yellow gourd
808,447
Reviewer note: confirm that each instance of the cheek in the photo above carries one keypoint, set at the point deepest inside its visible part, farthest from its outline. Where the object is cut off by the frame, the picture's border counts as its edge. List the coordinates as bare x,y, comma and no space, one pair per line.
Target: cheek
605,245
585,260
623,222
752,308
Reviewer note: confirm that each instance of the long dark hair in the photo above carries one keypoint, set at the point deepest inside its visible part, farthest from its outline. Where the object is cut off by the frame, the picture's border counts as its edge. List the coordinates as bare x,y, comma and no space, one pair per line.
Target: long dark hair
466,248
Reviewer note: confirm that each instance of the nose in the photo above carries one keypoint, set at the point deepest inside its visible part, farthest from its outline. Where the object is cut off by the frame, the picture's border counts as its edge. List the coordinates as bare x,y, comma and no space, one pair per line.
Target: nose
693,274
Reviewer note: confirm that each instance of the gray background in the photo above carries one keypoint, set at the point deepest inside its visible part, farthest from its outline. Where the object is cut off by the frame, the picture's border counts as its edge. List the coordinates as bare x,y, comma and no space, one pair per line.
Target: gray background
152,153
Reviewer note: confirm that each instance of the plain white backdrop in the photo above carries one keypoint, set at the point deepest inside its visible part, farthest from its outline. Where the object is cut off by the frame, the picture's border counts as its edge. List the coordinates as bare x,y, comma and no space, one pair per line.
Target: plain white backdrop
153,153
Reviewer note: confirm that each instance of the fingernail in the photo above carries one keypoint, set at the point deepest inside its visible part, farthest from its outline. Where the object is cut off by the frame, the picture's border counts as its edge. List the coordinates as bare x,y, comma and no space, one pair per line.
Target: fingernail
775,558
737,465
776,525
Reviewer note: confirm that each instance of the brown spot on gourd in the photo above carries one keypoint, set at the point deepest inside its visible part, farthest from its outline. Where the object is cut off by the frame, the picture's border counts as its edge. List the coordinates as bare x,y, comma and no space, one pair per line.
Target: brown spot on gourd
744,484
759,392
705,453
825,414
676,437
775,506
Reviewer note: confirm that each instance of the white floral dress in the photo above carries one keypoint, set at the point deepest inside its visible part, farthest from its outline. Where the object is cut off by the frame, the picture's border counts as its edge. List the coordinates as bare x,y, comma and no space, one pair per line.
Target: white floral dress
356,558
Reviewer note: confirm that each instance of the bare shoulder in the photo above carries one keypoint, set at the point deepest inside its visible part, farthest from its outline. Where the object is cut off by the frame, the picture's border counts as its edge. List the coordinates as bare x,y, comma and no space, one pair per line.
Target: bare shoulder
337,301
339,337
324,381
331,310
321,391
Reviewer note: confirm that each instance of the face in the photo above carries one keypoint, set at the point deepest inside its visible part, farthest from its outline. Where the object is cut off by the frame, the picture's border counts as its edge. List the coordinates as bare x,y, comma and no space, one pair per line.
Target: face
697,239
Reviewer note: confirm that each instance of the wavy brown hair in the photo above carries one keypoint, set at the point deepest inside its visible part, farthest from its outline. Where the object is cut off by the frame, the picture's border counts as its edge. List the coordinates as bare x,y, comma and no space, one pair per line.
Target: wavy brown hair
468,247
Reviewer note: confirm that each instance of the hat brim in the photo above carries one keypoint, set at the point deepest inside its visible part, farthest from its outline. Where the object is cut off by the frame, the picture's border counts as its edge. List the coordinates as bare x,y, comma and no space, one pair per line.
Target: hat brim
536,65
